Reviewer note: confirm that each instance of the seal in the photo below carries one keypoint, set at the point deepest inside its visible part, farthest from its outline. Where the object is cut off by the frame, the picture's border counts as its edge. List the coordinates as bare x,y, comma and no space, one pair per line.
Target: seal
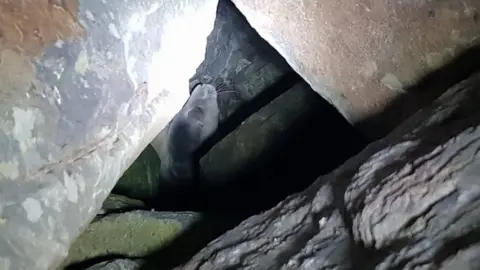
192,125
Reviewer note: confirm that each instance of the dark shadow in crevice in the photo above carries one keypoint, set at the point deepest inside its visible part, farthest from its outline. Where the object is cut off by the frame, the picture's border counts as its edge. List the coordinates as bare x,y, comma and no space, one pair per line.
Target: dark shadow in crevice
193,239
90,262
247,109
273,178
312,146
454,246
427,89
316,145
180,196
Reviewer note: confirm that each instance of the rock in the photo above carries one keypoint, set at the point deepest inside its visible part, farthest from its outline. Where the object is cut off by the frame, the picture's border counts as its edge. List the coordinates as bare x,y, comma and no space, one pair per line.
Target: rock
120,264
132,234
118,203
277,141
85,87
407,201
364,56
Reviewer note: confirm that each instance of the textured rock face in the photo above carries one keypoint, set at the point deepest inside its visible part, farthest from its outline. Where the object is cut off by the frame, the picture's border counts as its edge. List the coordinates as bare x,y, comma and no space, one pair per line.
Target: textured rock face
362,55
408,201
132,234
84,88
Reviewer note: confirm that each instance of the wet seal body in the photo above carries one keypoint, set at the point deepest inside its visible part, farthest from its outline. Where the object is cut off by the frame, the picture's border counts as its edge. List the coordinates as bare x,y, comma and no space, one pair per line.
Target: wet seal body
191,126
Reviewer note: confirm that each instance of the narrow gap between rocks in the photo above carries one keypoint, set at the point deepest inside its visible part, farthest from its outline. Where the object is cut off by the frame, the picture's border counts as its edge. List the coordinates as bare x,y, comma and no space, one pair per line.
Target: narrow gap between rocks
275,138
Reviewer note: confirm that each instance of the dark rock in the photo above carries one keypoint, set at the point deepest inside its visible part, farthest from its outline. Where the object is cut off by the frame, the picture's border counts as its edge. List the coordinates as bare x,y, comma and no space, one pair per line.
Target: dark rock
362,56
408,201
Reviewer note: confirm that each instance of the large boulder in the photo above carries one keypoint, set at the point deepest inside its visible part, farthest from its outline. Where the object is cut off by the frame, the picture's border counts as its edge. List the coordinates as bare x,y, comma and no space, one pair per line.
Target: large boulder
362,56
85,87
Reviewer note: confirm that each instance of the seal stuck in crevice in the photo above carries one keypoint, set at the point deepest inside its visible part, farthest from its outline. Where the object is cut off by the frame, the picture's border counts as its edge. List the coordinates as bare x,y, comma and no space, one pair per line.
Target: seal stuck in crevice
191,126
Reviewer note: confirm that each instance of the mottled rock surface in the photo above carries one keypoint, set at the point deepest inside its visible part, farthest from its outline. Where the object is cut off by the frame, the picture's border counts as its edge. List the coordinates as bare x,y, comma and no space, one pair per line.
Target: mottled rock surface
132,234
84,88
407,201
120,264
364,55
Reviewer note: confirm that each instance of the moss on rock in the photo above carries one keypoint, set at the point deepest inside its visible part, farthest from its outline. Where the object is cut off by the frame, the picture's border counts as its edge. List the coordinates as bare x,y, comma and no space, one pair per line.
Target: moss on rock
141,180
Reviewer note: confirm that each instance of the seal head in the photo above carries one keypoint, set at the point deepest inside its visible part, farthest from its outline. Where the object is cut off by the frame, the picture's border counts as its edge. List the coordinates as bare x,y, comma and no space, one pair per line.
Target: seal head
191,126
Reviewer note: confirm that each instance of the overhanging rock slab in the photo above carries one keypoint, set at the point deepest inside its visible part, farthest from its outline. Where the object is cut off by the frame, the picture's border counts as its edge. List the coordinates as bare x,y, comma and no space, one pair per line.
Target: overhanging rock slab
363,55
85,87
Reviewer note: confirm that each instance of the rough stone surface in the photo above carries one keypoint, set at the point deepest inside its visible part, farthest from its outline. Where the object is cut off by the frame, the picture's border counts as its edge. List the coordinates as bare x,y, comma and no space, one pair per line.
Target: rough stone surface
131,234
120,264
364,55
85,87
407,201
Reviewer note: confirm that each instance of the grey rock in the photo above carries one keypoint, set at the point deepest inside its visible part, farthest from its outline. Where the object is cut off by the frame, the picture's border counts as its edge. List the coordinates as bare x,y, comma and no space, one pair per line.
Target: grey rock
132,234
75,115
120,264
407,201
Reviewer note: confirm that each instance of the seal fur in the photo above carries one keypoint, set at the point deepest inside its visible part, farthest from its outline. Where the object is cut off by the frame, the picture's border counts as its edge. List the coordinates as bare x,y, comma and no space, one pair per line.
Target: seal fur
191,126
